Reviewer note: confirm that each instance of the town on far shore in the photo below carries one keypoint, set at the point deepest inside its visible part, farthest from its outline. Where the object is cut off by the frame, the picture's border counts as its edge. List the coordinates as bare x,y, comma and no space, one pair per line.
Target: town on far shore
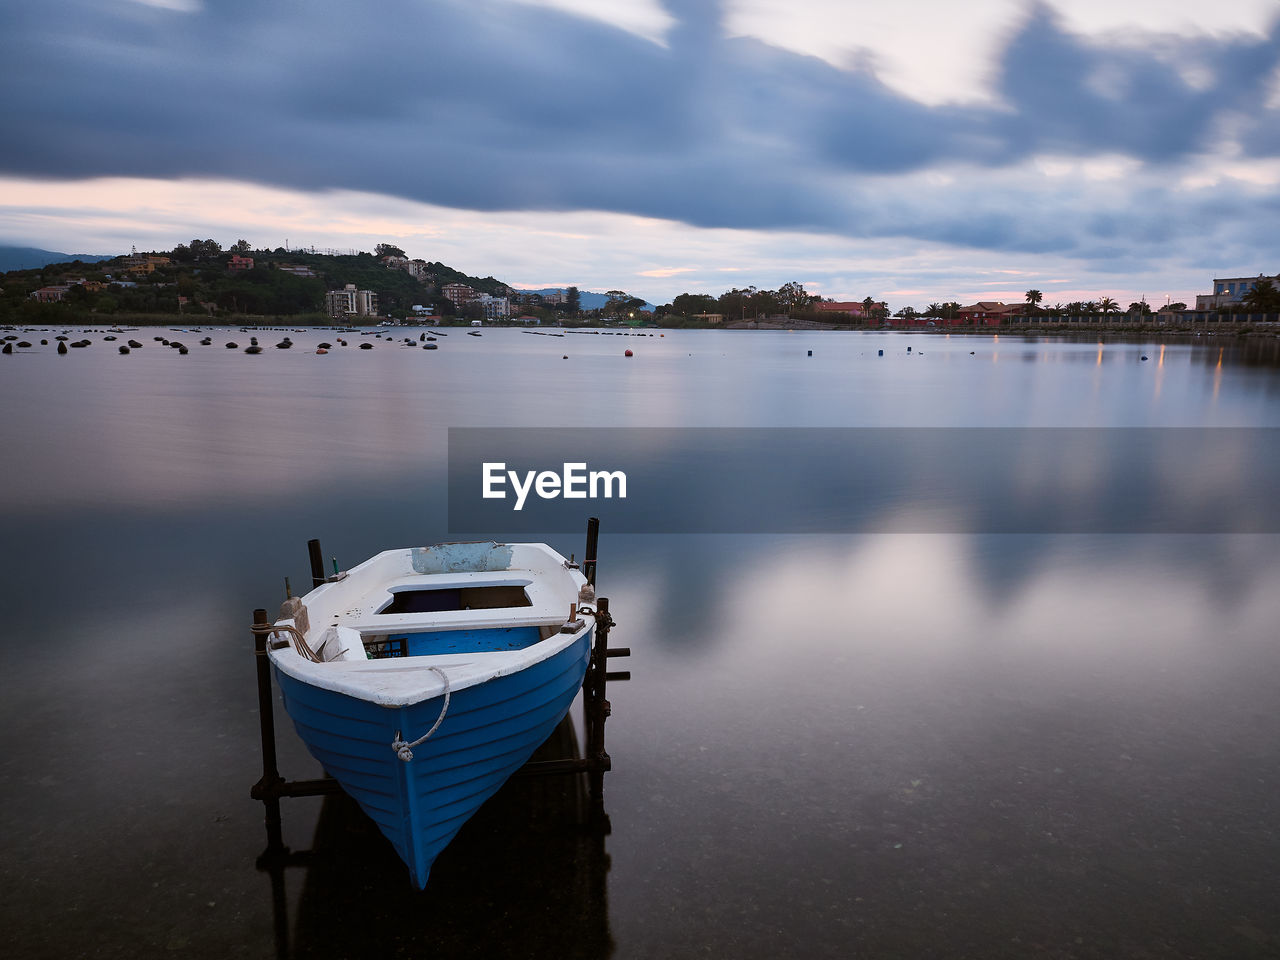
202,282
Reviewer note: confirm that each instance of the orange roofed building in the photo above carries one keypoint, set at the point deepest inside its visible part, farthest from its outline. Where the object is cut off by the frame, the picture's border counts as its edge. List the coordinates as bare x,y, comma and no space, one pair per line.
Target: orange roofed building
988,313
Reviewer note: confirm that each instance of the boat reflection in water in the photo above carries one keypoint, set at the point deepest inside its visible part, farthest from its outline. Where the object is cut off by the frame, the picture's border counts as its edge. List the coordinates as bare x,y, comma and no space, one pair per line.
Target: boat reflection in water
525,877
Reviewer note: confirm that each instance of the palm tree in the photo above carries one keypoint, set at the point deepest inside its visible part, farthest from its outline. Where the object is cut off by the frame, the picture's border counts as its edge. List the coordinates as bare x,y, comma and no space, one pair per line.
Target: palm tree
1263,297
1033,298
1107,305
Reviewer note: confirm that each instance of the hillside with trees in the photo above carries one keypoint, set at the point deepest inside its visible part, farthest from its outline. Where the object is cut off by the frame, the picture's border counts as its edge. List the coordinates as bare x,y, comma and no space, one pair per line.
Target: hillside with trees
200,282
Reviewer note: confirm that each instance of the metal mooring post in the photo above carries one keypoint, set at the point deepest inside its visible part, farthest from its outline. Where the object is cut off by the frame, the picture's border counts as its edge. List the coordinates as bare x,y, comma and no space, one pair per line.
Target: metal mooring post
317,563
596,708
589,556
268,788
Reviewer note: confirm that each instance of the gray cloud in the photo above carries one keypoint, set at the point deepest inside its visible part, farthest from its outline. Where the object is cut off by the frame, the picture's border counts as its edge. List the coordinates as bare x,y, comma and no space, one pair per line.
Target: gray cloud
491,106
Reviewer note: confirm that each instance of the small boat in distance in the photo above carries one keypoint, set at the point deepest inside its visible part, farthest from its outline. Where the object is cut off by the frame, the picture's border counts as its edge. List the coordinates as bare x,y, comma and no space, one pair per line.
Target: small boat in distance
425,677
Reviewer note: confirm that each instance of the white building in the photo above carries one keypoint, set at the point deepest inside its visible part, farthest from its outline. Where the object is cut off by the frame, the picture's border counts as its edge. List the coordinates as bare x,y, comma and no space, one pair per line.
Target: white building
495,308
1230,291
351,302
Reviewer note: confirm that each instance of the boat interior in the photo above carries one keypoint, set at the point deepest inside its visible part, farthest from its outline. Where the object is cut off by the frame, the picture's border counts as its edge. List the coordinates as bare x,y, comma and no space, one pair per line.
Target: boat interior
438,614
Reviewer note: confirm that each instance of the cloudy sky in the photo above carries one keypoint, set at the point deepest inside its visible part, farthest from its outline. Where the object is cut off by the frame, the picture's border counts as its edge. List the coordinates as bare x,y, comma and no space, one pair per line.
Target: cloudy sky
914,151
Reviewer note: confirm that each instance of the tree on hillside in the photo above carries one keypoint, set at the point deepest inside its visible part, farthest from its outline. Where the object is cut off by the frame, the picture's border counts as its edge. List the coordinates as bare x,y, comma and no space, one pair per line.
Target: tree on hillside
240,247
572,300
204,249
387,250
1033,300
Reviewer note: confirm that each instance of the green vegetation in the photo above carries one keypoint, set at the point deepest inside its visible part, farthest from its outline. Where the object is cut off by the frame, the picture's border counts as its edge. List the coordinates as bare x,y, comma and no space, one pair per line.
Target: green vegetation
790,300
194,283
1263,298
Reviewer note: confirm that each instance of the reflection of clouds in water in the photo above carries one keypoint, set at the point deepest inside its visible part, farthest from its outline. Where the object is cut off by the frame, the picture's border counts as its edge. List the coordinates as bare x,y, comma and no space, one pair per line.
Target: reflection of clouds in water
1108,602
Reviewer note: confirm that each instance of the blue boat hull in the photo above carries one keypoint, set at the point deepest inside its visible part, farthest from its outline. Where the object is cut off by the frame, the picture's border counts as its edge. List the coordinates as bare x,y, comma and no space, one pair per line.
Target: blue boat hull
489,732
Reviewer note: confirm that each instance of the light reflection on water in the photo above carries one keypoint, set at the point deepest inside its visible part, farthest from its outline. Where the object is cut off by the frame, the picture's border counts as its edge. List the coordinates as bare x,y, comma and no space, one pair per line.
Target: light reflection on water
893,745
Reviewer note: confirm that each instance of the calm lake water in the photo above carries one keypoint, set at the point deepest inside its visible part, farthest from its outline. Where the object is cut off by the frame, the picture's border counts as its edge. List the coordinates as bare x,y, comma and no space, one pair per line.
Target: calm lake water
906,744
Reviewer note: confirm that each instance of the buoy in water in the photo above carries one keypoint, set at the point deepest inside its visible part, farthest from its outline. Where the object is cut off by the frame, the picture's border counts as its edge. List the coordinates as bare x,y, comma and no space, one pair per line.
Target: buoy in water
430,346
123,348
1144,358
321,351
232,345
880,353
62,347
135,344
182,350
253,348
628,353
27,343
565,357
366,346
811,353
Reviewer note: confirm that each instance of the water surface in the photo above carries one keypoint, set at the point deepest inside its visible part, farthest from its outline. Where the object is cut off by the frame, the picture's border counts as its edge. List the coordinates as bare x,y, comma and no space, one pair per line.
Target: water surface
907,744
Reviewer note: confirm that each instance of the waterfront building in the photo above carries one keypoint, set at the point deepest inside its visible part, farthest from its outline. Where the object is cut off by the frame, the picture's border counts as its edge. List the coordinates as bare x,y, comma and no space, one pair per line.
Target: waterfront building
852,308
494,307
351,302
986,313
1230,291
459,293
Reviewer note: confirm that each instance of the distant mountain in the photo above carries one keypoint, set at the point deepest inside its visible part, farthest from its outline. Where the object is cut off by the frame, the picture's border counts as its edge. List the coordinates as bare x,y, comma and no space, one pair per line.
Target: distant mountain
30,258
588,299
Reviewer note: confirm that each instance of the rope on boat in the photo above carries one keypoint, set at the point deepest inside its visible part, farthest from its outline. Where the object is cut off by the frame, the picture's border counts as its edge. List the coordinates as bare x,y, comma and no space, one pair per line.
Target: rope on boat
405,750
299,641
